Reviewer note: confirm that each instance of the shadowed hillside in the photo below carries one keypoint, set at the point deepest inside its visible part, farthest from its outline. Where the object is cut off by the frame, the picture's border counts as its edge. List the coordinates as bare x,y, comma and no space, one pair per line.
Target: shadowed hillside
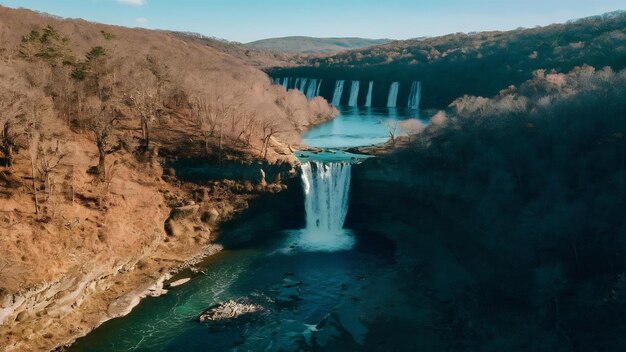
310,45
515,231
479,63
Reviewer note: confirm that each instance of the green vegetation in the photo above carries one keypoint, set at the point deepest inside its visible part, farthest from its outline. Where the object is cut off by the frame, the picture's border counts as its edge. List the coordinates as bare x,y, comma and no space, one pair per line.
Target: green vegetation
48,44
108,35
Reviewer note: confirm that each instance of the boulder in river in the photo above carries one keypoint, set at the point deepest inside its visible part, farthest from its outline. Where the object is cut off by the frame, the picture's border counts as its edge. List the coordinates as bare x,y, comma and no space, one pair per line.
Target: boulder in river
229,311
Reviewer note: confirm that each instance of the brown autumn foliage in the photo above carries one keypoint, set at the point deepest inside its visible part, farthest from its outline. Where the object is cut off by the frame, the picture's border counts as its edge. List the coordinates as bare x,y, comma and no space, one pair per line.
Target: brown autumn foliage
86,109
70,61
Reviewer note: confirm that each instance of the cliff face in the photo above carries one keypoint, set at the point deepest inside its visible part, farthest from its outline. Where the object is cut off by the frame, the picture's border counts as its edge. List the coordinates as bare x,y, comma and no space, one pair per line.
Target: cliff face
89,223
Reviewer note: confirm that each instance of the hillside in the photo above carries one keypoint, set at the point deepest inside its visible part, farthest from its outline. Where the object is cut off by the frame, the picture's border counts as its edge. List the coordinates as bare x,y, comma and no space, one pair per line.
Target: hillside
514,232
256,56
310,45
91,115
477,64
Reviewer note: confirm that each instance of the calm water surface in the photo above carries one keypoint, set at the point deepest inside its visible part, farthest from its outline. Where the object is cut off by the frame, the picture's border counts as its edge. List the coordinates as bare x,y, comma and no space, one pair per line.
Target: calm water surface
357,126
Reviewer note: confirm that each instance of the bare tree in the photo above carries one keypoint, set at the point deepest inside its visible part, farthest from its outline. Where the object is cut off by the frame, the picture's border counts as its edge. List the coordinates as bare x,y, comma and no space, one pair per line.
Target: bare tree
291,113
411,127
248,128
392,131
268,129
33,153
101,120
11,134
146,104
49,158
161,73
108,180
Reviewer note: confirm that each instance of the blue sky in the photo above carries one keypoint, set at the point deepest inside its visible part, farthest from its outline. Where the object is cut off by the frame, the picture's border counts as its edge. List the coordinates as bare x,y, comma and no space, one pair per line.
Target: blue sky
248,20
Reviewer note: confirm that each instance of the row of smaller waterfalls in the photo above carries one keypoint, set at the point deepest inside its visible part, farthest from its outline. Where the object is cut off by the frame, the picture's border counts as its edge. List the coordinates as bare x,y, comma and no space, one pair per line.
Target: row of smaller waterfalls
350,93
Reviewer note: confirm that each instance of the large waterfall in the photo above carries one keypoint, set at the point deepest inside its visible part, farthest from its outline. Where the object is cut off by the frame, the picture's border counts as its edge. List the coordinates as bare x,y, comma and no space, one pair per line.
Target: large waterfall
338,93
326,189
393,95
416,95
368,100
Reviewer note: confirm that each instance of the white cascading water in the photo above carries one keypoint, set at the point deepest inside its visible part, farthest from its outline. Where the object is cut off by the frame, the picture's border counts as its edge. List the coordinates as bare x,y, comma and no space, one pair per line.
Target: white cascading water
310,91
296,85
354,93
302,87
393,95
338,93
286,83
416,95
368,100
319,86
326,189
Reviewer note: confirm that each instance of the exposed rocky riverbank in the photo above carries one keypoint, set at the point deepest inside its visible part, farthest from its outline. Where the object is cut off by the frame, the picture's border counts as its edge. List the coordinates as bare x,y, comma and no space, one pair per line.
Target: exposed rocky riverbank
186,228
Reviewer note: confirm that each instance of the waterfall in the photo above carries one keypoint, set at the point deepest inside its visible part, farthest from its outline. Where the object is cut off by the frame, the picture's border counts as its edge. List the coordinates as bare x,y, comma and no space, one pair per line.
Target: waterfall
286,83
310,92
416,95
338,93
319,86
326,189
368,101
393,95
297,83
303,85
354,93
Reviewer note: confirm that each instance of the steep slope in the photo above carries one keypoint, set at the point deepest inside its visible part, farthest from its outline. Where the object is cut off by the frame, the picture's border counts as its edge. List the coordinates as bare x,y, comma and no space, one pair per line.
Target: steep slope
514,237
311,45
89,223
477,64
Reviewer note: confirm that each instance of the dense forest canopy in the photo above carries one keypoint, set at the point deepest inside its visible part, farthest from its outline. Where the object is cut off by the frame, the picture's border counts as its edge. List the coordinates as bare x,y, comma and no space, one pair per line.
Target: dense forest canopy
526,190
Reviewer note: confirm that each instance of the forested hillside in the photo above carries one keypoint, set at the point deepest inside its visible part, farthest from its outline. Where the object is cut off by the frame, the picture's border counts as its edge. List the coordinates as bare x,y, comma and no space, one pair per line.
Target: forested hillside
516,227
477,63
89,114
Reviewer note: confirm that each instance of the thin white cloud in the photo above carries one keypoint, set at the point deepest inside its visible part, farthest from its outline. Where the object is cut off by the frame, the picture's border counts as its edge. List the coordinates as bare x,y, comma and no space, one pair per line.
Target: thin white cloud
133,2
141,20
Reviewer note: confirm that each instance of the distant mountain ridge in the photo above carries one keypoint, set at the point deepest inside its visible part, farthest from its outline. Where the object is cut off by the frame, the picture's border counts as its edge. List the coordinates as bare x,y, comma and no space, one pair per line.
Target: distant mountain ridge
312,45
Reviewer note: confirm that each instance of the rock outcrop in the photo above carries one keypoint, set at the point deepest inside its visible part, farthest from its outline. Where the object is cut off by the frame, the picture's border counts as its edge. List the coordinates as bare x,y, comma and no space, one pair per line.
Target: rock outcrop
229,311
